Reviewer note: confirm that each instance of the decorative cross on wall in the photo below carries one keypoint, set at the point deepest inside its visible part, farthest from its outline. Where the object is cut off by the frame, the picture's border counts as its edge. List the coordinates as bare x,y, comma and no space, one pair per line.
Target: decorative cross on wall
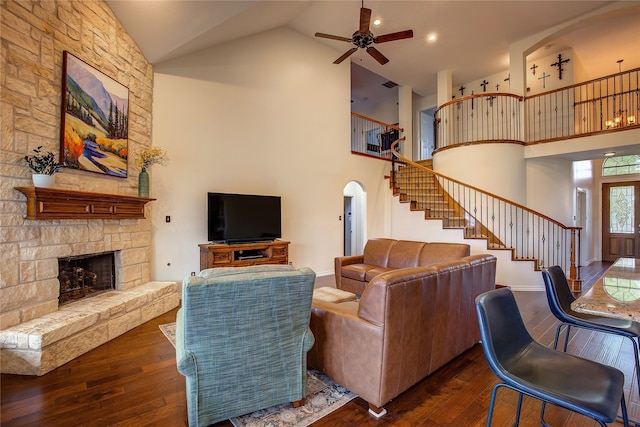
490,99
559,65
544,79
484,85
508,79
533,69
472,100
462,88
497,87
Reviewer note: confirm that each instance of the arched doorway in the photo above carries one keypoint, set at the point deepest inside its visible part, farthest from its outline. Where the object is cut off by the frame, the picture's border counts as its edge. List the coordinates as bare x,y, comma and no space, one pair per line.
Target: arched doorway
354,218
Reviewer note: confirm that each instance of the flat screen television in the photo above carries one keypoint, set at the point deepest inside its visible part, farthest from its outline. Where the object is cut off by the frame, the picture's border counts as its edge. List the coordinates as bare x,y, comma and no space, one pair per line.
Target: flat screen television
237,218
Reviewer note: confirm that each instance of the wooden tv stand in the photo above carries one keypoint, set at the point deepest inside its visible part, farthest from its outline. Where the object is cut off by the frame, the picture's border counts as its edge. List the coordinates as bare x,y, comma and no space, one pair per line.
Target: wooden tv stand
242,254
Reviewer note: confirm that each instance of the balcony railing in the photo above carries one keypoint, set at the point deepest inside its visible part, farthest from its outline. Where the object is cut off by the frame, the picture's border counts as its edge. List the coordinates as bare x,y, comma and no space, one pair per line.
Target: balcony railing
491,117
373,138
604,104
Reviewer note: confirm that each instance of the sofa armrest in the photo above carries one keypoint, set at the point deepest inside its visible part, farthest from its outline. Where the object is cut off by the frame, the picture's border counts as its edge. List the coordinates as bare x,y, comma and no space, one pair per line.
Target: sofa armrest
342,261
348,349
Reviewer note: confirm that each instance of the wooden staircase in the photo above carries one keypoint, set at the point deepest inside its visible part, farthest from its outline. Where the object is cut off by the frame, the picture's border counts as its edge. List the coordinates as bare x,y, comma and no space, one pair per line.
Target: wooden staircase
424,193
460,206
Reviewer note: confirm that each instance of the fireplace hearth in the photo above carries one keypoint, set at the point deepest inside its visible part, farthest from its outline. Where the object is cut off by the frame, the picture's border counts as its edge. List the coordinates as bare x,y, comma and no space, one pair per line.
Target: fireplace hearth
85,275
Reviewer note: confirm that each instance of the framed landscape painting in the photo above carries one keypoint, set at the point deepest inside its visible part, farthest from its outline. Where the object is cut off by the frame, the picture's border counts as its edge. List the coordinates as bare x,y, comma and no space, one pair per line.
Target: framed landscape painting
94,131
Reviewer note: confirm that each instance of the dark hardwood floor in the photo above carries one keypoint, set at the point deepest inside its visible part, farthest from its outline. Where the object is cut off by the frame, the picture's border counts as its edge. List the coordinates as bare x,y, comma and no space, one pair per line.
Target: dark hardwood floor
133,381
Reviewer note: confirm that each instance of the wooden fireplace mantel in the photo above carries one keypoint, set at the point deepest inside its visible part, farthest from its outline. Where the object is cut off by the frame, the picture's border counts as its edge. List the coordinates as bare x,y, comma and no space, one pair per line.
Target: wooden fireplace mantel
55,203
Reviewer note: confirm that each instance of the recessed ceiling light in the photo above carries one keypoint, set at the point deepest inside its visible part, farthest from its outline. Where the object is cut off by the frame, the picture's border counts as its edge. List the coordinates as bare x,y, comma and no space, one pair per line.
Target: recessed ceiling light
377,22
432,37
610,154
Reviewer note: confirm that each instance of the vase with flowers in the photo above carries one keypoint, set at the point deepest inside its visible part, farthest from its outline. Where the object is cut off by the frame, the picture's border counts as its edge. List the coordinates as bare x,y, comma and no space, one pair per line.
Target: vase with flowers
43,167
146,158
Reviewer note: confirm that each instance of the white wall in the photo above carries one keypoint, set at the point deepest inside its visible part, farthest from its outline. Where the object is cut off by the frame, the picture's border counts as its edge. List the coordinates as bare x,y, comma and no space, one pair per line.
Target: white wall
268,114
572,71
583,178
496,168
550,188
385,111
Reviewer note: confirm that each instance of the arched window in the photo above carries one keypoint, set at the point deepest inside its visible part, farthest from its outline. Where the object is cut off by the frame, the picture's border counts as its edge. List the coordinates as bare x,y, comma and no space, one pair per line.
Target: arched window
621,165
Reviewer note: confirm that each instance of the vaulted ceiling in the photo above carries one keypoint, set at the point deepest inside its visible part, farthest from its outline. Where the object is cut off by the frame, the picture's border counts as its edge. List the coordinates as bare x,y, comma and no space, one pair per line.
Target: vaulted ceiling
473,36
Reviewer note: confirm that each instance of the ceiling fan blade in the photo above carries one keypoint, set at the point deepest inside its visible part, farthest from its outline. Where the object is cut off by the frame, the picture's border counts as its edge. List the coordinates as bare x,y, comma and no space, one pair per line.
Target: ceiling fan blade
346,55
329,36
377,55
393,36
365,18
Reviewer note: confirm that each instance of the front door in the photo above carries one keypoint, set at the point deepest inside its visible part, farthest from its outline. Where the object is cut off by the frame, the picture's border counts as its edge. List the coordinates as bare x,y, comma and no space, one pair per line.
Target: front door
620,220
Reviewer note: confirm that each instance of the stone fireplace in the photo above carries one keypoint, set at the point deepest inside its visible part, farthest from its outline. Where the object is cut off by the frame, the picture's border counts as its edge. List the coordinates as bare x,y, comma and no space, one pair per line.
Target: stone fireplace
85,276
43,325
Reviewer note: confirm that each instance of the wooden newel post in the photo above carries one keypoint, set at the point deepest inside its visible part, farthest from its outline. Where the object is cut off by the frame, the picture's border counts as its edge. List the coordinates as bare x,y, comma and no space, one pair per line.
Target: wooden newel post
574,282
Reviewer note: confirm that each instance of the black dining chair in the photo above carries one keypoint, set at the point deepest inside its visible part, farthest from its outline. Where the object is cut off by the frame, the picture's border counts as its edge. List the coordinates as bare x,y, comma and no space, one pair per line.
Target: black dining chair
560,297
522,364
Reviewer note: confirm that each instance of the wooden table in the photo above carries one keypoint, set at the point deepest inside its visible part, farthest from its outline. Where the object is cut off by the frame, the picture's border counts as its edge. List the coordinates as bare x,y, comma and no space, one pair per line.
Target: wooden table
616,294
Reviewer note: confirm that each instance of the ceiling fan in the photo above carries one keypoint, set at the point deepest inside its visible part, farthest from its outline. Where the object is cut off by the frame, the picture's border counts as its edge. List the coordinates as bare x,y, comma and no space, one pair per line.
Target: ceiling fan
363,38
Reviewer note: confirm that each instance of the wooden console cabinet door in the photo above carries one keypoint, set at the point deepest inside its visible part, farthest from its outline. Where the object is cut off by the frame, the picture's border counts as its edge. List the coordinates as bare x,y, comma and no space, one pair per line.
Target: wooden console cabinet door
243,254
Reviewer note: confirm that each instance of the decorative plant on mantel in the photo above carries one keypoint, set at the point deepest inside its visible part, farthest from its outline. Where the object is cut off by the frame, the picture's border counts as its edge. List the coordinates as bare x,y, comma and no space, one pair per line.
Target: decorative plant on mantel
43,165
147,158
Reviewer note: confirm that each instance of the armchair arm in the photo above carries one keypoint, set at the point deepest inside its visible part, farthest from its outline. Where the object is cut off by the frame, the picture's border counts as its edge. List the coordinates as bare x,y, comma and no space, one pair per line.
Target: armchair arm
185,360
308,340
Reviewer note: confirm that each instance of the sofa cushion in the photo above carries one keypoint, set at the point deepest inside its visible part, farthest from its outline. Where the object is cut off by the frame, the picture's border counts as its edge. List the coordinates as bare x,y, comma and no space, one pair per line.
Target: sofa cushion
373,272
405,254
330,294
356,271
376,251
433,253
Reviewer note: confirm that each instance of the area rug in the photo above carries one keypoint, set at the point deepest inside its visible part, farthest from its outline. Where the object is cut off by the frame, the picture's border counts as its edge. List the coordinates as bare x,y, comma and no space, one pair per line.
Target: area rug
169,331
323,397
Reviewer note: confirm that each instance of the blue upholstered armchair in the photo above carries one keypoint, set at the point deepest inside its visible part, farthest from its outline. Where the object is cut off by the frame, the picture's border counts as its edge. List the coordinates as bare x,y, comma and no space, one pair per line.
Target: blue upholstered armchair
242,337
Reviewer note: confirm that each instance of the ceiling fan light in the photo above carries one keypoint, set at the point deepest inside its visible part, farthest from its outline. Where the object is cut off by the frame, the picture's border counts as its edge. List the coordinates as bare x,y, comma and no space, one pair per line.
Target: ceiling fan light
431,38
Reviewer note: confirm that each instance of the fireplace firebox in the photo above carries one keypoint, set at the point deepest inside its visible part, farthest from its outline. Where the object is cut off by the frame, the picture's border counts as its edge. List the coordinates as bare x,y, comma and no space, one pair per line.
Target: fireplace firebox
85,275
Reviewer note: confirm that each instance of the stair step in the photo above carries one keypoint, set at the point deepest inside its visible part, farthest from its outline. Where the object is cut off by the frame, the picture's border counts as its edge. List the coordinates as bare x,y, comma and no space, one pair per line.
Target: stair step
415,182
432,204
438,213
497,246
454,222
427,163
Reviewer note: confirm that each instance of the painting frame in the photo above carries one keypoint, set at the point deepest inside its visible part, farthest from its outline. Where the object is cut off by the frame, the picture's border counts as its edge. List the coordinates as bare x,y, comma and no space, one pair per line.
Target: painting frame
94,125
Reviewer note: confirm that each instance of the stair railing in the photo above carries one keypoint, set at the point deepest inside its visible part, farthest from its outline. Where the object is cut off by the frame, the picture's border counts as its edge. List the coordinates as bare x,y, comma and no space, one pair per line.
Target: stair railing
529,235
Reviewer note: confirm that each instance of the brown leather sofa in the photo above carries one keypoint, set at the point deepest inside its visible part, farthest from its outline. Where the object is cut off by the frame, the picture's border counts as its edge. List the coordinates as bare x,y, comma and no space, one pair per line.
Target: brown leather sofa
407,323
382,255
